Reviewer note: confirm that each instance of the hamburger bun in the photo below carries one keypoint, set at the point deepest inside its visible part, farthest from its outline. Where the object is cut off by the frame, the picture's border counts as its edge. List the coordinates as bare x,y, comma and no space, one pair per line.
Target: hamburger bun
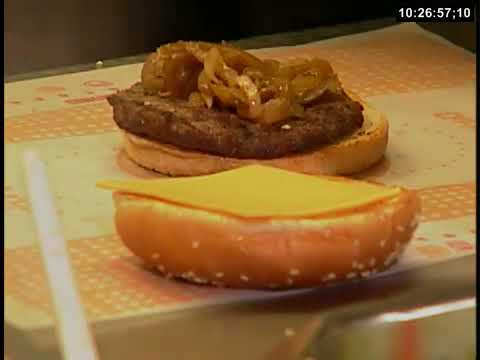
207,244
202,108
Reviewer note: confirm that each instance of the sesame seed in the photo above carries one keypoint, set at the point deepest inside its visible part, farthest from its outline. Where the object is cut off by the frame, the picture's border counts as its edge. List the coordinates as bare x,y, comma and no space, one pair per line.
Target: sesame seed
372,261
168,275
354,264
155,256
289,332
289,281
187,275
401,228
219,274
330,276
365,273
286,127
294,272
161,268
351,275
200,280
356,243
383,243
360,266
240,238
244,278
195,244
327,232
146,103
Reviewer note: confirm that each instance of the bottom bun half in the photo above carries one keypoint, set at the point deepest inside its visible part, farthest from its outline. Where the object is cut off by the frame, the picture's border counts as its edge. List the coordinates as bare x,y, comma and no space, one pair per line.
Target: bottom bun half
222,250
354,154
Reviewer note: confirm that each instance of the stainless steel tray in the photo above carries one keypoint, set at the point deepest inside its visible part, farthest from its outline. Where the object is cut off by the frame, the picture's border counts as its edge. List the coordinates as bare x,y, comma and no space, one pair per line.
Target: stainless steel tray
445,332
430,307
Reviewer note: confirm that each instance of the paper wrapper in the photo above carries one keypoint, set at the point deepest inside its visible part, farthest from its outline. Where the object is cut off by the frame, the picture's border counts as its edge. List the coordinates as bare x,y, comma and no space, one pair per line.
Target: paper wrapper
423,84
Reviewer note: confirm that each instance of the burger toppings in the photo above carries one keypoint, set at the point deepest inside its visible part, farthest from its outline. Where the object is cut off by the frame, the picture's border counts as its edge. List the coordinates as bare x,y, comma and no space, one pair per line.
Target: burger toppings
263,91
223,101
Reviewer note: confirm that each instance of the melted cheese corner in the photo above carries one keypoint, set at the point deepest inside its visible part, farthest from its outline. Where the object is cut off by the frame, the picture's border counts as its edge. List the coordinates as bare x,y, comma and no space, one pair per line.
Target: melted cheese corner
256,191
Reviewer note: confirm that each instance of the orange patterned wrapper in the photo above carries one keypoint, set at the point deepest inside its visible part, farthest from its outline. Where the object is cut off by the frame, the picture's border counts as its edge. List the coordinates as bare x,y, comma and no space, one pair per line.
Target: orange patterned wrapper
423,84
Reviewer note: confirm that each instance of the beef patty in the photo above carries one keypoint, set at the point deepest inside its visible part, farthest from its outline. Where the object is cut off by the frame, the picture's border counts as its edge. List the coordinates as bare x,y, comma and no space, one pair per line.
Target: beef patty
220,132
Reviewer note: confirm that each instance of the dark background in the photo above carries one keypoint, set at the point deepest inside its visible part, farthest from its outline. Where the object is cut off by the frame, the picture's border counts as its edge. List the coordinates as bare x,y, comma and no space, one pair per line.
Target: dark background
52,33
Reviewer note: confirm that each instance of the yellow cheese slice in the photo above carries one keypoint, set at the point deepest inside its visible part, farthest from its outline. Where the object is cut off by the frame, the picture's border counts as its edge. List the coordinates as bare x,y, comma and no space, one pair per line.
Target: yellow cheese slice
256,191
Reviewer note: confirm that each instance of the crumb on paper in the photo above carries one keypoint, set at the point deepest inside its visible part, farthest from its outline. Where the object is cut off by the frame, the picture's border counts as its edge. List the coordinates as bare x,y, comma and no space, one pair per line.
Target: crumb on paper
289,332
99,64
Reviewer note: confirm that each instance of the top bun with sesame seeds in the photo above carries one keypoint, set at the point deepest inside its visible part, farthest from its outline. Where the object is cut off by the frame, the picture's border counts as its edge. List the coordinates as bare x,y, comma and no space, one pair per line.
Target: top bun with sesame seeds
262,227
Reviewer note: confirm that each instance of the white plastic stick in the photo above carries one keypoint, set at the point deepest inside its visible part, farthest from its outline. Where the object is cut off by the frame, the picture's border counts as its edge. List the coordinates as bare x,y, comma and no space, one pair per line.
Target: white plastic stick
72,327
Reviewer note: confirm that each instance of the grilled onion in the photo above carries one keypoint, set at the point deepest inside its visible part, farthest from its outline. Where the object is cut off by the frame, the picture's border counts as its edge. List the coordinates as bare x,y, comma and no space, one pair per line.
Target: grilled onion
264,91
